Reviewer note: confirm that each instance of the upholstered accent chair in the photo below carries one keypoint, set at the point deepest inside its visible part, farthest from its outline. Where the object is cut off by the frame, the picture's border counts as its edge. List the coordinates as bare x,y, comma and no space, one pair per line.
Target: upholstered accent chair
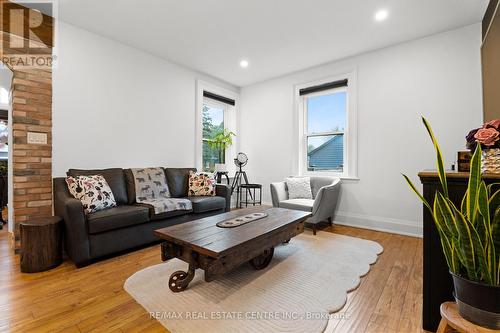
325,193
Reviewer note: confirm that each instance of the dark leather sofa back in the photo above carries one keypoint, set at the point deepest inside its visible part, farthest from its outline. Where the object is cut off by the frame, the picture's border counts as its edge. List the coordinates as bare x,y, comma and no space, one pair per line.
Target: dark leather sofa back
177,180
114,177
130,183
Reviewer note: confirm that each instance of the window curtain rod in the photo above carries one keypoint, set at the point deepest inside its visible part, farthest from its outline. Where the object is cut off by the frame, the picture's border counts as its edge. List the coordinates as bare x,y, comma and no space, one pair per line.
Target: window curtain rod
323,87
219,98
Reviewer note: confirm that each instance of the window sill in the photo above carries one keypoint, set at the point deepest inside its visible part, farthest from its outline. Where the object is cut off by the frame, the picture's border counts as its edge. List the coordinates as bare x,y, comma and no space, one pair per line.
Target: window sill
330,174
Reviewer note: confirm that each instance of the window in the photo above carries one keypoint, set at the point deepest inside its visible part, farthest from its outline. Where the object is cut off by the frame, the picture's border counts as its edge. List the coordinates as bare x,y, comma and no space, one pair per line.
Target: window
327,127
213,124
215,113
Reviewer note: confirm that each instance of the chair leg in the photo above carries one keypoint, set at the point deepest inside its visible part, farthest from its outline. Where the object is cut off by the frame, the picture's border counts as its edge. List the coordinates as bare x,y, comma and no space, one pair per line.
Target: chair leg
314,229
330,221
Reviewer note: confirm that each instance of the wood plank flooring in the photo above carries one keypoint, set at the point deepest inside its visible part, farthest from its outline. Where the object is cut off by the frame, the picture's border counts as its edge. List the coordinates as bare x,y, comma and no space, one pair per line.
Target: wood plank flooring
92,299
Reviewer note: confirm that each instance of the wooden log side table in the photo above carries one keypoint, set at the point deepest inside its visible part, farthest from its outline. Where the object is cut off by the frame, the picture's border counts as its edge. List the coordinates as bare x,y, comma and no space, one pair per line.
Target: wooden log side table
41,244
452,321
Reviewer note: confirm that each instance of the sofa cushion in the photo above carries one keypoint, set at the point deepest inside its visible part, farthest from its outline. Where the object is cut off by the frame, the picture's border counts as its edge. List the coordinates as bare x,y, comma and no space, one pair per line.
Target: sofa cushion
205,204
113,176
93,192
201,184
298,204
178,180
117,217
130,184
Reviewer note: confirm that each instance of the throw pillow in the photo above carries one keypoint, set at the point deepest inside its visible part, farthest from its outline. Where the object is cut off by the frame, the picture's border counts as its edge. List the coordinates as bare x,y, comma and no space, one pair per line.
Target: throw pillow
299,187
201,184
93,191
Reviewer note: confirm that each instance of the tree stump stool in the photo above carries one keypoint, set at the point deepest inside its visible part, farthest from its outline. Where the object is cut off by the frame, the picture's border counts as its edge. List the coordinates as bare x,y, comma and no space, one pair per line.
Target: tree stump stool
41,244
452,321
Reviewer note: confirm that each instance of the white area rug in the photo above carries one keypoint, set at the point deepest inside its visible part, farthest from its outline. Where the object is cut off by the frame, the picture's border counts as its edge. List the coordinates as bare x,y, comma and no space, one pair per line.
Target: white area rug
306,280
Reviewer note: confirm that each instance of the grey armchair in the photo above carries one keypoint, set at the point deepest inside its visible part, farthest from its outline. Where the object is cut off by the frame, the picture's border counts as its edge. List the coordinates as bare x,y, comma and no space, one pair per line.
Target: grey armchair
325,193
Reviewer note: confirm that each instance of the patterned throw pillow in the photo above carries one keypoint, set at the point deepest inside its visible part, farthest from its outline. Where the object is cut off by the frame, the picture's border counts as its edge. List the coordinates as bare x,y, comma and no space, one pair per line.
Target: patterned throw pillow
201,184
93,191
299,188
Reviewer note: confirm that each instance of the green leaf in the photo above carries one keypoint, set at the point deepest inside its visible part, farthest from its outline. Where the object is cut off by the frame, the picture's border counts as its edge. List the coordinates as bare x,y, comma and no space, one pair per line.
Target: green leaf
420,196
466,244
473,188
445,216
439,158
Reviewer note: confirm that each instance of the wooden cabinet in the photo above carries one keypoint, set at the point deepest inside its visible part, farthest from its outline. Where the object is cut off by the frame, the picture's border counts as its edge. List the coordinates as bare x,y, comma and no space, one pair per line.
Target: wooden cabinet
437,284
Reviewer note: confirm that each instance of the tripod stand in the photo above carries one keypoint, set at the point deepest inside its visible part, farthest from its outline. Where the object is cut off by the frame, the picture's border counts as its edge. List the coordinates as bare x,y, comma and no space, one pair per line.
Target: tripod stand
236,185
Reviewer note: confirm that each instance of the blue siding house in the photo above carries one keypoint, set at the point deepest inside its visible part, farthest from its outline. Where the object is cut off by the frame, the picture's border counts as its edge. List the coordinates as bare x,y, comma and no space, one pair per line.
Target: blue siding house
328,156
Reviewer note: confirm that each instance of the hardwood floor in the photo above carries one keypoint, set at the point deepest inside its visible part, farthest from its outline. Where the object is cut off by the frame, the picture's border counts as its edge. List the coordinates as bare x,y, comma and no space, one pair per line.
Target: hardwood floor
92,299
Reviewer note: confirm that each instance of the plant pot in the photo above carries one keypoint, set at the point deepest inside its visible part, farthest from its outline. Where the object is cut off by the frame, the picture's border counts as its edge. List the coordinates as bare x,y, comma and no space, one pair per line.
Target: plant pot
220,167
477,302
490,160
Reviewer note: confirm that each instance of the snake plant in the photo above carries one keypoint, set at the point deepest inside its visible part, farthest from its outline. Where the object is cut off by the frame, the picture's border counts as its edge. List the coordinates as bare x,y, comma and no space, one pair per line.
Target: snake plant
470,234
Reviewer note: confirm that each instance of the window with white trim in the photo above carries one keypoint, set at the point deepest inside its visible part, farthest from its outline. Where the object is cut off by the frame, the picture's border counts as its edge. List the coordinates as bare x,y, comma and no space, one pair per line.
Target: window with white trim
213,124
327,128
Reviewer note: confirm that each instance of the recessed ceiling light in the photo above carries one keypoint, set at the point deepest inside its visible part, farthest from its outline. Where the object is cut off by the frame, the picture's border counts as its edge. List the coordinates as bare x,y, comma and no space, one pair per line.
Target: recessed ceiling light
244,63
381,15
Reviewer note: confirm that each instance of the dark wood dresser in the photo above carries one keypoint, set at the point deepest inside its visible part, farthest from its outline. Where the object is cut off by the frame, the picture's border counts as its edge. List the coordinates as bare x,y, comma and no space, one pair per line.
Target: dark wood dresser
438,285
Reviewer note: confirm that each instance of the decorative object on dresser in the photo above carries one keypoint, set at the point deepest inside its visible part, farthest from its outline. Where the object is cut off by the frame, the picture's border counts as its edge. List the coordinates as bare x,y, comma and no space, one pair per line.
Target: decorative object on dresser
488,137
325,192
228,247
41,244
463,160
292,283
470,239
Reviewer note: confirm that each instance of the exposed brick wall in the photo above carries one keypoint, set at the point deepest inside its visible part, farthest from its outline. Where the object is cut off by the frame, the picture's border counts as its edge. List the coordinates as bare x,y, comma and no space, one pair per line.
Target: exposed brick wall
31,112
32,164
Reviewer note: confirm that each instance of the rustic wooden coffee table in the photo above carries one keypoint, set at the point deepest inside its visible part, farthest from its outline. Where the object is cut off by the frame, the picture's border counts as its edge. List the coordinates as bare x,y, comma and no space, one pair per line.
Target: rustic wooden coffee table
202,244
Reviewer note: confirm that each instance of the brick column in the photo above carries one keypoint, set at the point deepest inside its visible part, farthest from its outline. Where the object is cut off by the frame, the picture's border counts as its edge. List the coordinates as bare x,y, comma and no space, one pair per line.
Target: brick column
32,163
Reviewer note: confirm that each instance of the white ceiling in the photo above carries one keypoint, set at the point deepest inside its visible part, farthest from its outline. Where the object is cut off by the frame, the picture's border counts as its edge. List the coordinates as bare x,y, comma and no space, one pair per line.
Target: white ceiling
276,36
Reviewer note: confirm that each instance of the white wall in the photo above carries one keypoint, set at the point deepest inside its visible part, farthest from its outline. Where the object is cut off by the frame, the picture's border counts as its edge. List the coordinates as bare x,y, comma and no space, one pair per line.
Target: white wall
116,106
438,77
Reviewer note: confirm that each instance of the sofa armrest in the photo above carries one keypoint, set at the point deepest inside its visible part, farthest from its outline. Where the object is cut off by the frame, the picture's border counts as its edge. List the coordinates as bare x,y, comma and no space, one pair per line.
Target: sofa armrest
326,201
75,225
222,190
278,193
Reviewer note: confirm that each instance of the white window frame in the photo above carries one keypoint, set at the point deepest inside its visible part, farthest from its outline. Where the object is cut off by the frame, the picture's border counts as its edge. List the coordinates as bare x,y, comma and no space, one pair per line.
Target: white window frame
350,167
231,122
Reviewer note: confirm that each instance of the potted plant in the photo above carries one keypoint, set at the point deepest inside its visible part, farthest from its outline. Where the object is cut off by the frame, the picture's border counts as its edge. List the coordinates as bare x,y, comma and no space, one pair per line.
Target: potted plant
221,141
470,239
488,136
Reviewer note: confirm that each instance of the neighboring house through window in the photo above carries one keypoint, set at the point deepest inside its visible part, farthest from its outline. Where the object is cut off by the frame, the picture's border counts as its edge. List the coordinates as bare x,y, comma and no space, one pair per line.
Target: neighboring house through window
327,127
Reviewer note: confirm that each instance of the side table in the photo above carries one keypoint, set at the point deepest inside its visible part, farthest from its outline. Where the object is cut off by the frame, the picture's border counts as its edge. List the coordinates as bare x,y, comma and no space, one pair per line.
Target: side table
247,189
452,321
41,244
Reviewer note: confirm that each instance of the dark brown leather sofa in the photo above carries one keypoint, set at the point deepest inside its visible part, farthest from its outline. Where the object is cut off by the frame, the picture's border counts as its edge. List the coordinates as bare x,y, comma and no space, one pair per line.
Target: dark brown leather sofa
129,225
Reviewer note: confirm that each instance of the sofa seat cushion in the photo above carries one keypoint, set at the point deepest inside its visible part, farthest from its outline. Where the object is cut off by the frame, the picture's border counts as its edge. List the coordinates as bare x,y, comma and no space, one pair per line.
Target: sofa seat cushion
204,204
117,217
298,204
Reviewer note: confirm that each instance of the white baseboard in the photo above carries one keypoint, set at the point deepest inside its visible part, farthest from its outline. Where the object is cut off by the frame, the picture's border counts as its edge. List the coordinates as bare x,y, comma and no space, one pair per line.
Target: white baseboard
378,223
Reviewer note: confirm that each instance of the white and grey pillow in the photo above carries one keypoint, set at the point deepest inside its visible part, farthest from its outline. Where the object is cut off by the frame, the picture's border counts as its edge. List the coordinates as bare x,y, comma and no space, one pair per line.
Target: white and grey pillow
299,187
93,191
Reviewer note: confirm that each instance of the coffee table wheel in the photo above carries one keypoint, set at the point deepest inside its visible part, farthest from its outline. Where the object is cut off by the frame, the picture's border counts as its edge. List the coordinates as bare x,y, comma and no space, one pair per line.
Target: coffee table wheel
262,260
287,241
179,280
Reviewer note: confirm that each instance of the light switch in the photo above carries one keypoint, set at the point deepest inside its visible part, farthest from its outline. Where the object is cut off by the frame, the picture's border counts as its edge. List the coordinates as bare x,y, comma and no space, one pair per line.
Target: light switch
37,138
